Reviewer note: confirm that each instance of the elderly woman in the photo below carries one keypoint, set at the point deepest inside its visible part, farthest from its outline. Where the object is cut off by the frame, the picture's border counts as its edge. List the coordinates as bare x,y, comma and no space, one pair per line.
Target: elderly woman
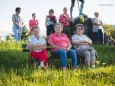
82,45
61,46
37,46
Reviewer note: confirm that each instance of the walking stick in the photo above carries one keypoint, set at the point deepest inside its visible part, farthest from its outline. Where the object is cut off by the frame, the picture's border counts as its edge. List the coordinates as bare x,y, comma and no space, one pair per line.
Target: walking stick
103,37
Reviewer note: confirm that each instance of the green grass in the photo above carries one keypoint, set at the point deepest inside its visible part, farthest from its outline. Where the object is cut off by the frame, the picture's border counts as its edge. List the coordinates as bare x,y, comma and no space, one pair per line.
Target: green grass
15,70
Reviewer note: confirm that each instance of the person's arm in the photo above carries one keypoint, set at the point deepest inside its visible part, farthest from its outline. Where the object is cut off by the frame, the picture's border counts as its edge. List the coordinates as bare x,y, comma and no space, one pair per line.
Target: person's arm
68,47
68,18
97,23
30,24
55,19
36,47
37,22
61,20
69,44
40,47
46,21
89,41
78,42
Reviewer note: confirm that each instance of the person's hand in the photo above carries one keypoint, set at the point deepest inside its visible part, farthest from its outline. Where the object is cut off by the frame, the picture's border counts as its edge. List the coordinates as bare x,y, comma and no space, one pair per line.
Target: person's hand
67,49
39,45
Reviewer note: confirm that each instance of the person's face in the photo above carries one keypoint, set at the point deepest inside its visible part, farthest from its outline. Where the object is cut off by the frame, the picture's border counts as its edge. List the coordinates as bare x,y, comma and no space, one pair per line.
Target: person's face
34,16
35,31
79,30
96,15
18,12
65,10
51,13
58,28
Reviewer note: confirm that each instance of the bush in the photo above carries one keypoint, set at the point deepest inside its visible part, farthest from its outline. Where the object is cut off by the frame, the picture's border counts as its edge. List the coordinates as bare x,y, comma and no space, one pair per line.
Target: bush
109,30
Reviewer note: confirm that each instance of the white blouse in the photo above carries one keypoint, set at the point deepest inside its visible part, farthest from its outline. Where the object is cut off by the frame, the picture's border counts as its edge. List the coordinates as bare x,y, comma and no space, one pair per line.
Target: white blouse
35,41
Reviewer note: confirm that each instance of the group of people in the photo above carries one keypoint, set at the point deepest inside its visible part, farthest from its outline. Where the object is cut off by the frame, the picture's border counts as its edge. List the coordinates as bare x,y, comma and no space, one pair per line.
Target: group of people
61,46
58,34
50,21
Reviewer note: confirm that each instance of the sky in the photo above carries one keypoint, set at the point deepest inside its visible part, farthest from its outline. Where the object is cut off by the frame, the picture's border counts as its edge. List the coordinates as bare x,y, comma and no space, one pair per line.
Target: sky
41,7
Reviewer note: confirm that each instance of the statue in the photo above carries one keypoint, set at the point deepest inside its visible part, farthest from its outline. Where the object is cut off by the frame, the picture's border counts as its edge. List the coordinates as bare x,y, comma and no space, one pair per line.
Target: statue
79,7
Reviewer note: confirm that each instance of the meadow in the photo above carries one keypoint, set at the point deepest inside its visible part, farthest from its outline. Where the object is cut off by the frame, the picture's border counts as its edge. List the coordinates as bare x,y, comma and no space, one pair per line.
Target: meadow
16,71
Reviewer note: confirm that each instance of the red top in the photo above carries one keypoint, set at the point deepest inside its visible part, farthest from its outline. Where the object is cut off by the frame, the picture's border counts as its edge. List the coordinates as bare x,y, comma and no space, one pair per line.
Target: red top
61,41
33,23
64,19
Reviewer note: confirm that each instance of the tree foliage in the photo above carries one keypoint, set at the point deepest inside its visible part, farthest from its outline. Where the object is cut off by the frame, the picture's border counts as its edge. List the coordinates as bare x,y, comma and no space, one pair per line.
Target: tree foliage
25,32
109,30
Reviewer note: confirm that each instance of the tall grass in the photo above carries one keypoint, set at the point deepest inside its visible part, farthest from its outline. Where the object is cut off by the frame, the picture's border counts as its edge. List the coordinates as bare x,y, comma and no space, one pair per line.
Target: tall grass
15,70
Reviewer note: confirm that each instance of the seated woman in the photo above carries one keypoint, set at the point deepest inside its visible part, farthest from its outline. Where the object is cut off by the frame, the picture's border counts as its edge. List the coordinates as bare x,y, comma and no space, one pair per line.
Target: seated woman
37,46
61,46
82,45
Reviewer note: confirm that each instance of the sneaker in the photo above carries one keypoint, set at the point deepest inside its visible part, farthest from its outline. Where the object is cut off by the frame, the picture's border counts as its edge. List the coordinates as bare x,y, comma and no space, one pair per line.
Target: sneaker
93,66
64,68
41,64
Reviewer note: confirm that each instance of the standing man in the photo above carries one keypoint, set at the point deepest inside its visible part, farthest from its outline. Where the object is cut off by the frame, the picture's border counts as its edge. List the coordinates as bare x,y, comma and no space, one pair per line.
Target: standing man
97,29
79,7
17,29
64,19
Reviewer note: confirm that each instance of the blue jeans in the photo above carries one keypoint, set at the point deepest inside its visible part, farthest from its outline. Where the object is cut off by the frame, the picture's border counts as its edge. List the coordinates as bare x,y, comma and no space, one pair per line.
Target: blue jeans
98,36
17,35
63,55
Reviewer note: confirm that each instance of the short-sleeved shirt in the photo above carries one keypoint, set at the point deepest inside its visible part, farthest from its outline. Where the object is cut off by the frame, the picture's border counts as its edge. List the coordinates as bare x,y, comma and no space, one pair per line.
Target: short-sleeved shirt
64,19
96,27
77,38
61,41
36,41
17,19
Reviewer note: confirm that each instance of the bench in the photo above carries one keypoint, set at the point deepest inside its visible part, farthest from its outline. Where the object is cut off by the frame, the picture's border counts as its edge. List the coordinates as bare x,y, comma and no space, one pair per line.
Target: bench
81,60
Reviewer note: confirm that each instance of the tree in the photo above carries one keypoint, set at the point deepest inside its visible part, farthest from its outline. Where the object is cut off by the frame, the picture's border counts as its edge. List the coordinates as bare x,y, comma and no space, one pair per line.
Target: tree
25,32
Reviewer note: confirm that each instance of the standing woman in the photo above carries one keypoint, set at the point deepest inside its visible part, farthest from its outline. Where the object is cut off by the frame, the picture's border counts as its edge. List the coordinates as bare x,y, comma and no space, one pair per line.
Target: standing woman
50,22
17,29
65,20
33,22
98,29
37,46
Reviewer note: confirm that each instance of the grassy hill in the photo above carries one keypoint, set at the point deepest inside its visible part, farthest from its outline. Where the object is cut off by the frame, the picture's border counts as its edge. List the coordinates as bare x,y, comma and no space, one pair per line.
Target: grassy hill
15,71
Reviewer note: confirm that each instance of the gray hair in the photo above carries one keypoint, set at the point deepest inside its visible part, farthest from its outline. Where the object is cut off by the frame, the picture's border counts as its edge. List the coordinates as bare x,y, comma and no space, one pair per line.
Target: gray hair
35,27
81,25
58,24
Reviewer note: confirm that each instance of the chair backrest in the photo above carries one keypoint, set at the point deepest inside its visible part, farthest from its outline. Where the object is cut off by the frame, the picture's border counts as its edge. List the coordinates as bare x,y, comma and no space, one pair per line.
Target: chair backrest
24,48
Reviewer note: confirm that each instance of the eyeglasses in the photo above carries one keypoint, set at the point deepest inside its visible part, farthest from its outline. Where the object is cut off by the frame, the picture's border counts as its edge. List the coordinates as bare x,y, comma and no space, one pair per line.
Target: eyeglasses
79,29
58,27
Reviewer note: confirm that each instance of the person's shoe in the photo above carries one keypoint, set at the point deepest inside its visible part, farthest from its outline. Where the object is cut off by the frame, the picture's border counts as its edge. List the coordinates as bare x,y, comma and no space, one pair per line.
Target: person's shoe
41,64
64,68
93,66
